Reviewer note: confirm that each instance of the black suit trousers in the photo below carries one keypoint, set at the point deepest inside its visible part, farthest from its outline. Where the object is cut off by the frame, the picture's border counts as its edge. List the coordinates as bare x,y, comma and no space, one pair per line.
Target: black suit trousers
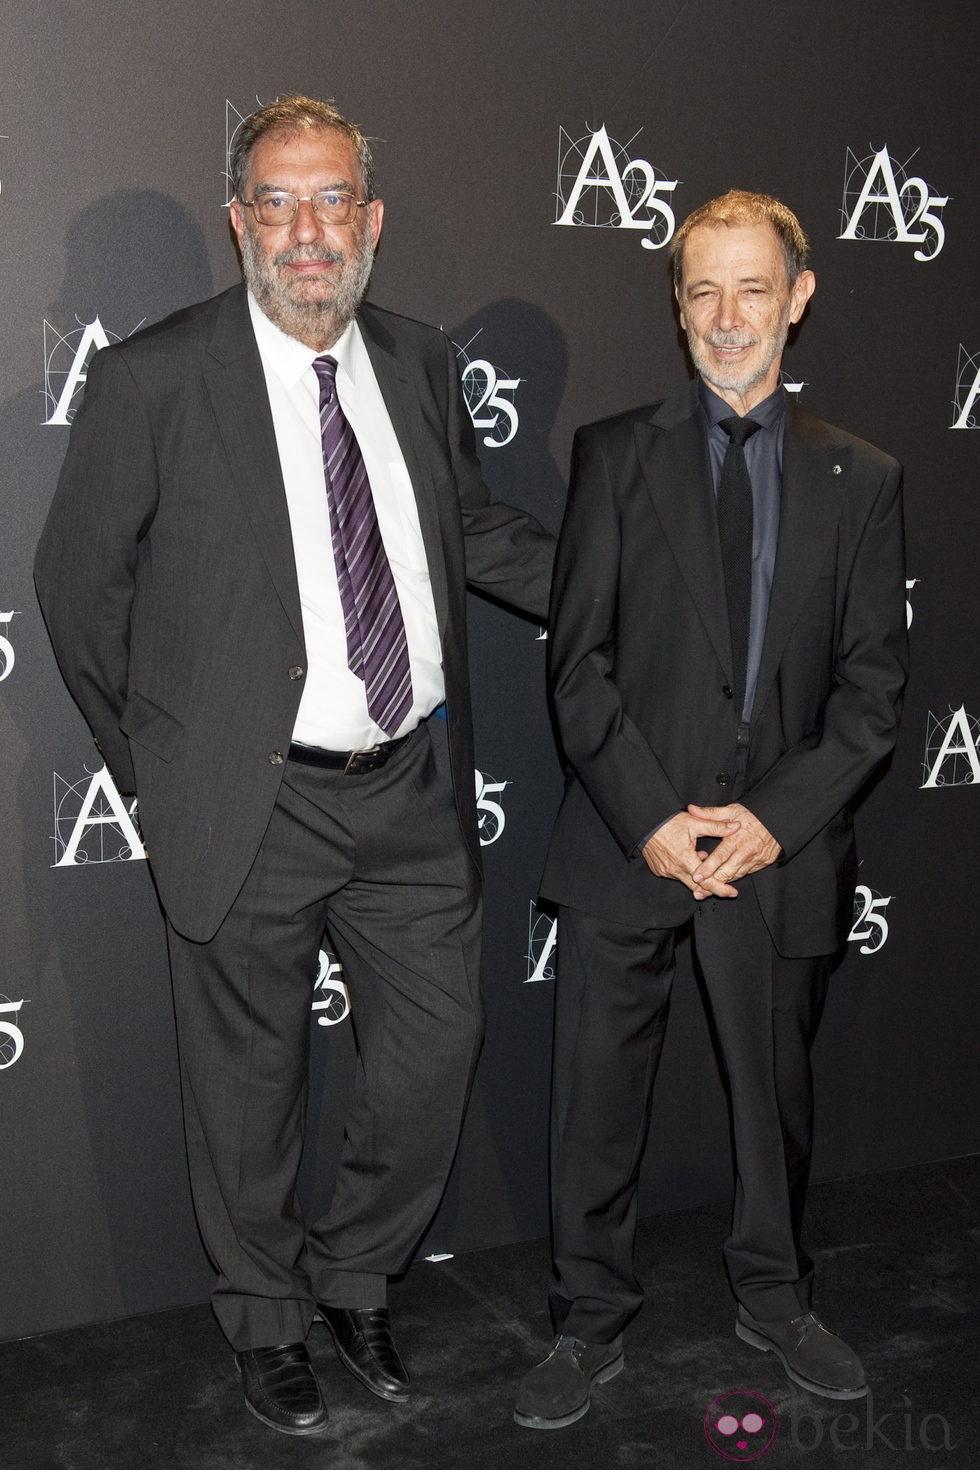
611,1009
379,862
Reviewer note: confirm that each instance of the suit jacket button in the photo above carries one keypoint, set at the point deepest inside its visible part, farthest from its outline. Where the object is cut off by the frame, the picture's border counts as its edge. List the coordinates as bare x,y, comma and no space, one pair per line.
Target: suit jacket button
276,758
723,778
296,672
728,691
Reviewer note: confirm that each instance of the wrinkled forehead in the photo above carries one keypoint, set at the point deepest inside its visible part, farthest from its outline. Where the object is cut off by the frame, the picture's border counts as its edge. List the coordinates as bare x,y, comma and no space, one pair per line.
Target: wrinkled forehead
718,247
284,154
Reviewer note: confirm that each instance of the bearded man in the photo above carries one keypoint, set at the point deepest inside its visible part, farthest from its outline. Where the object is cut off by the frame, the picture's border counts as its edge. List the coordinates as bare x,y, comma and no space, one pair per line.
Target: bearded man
254,577
727,654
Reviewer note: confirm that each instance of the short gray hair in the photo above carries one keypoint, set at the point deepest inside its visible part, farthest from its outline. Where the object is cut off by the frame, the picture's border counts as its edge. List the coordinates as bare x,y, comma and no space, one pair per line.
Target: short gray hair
296,114
739,207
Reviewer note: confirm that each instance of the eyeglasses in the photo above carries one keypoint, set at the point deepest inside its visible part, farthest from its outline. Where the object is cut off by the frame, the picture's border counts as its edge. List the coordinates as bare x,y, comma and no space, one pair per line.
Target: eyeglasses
331,206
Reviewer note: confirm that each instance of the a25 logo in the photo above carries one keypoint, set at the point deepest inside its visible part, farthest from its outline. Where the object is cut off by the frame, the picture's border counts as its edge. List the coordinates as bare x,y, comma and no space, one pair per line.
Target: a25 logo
7,655
11,1036
333,1003
901,207
870,929
601,187
491,816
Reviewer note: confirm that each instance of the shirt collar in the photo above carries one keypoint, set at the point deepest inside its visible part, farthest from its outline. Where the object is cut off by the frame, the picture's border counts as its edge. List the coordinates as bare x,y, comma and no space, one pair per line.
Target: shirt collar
289,358
770,413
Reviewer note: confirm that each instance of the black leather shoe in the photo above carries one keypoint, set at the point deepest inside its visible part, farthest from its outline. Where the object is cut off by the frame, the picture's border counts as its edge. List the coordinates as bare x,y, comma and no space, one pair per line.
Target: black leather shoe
362,1337
556,1392
812,1356
281,1388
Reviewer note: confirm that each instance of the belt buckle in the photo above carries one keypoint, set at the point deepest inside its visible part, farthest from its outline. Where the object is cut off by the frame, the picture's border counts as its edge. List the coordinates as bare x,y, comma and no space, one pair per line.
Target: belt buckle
351,768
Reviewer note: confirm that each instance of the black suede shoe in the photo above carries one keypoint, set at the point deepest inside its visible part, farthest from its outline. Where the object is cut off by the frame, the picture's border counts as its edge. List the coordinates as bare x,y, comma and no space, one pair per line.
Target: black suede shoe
281,1388
362,1337
812,1356
556,1392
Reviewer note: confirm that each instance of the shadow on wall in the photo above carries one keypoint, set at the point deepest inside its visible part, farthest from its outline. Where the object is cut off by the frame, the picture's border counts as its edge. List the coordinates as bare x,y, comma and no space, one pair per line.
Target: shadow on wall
100,1131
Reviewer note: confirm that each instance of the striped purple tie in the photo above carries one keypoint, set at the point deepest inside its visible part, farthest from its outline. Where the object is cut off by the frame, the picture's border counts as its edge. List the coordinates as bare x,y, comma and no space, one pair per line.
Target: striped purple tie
377,648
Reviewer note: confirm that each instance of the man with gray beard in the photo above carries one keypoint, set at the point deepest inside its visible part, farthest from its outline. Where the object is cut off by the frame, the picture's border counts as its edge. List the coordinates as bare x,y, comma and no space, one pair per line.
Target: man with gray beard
727,656
254,576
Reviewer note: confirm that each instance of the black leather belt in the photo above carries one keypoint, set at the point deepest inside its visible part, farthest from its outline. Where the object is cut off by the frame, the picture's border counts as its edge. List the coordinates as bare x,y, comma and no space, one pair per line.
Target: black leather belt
351,762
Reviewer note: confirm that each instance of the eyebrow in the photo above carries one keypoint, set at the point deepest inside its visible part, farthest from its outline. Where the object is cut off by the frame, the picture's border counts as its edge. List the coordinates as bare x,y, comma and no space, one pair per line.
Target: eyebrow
742,281
341,186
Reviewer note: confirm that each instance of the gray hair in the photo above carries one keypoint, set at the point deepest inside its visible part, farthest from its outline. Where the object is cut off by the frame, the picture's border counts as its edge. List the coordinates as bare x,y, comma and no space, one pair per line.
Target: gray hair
296,114
739,207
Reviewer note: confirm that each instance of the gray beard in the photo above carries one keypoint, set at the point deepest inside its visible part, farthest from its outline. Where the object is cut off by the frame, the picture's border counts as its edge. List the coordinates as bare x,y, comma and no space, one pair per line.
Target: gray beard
317,324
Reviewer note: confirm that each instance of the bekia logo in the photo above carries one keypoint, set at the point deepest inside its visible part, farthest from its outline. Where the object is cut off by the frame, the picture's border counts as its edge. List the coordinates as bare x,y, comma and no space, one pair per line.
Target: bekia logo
331,1003
967,390
491,816
66,359
741,1425
601,187
484,388
542,936
92,823
11,1036
952,750
883,201
6,647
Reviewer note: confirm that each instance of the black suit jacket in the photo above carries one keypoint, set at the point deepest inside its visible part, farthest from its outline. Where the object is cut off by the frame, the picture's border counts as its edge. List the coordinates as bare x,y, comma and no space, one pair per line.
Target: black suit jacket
167,580
641,674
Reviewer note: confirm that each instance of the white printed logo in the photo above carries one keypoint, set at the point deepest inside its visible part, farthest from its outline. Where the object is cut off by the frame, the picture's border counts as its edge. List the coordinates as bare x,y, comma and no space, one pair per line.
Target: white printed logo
882,201
601,187
483,388
967,390
952,750
542,936
66,359
11,1036
910,582
870,929
492,818
795,388
92,823
6,647
333,1002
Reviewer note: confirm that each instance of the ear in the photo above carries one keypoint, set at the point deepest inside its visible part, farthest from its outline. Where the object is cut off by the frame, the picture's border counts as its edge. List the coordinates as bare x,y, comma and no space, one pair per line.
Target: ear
803,288
376,214
236,213
680,305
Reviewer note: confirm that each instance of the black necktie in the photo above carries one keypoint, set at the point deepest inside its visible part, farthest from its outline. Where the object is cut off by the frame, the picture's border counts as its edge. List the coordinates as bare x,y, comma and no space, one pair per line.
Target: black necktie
735,533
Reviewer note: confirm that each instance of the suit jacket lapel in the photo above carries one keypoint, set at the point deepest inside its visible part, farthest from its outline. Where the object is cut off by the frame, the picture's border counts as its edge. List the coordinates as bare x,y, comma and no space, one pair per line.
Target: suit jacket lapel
402,402
815,472
673,455
236,385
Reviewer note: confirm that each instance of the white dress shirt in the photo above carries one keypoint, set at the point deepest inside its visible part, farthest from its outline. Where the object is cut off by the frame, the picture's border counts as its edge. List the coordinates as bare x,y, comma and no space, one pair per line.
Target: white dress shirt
333,712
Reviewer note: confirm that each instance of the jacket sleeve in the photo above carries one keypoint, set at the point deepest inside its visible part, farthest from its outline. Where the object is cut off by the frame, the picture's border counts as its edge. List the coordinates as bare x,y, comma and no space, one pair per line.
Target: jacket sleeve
608,753
86,561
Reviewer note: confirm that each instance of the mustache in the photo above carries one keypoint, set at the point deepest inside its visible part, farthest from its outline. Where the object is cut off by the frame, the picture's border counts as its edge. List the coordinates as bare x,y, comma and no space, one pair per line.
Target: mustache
308,252
730,339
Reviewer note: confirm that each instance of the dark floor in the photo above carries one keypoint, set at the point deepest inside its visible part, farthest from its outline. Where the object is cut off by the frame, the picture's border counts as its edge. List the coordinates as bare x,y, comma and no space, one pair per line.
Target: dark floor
898,1271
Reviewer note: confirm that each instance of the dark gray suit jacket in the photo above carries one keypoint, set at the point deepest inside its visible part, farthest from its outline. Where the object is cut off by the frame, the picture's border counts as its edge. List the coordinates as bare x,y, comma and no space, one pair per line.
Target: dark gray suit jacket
640,666
167,580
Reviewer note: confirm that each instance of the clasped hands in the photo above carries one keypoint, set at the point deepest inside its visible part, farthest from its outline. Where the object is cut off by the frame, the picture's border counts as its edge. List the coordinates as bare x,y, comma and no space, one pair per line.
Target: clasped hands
745,846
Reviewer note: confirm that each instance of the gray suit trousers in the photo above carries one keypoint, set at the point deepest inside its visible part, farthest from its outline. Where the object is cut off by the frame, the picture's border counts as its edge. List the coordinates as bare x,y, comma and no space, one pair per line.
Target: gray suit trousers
379,862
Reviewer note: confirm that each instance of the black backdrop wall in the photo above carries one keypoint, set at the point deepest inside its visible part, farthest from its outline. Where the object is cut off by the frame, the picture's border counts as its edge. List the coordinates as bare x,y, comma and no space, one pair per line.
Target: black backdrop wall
533,160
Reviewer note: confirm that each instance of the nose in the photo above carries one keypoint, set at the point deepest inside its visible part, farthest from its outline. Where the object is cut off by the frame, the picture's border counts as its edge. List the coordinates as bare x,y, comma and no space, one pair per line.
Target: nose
729,312
304,226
